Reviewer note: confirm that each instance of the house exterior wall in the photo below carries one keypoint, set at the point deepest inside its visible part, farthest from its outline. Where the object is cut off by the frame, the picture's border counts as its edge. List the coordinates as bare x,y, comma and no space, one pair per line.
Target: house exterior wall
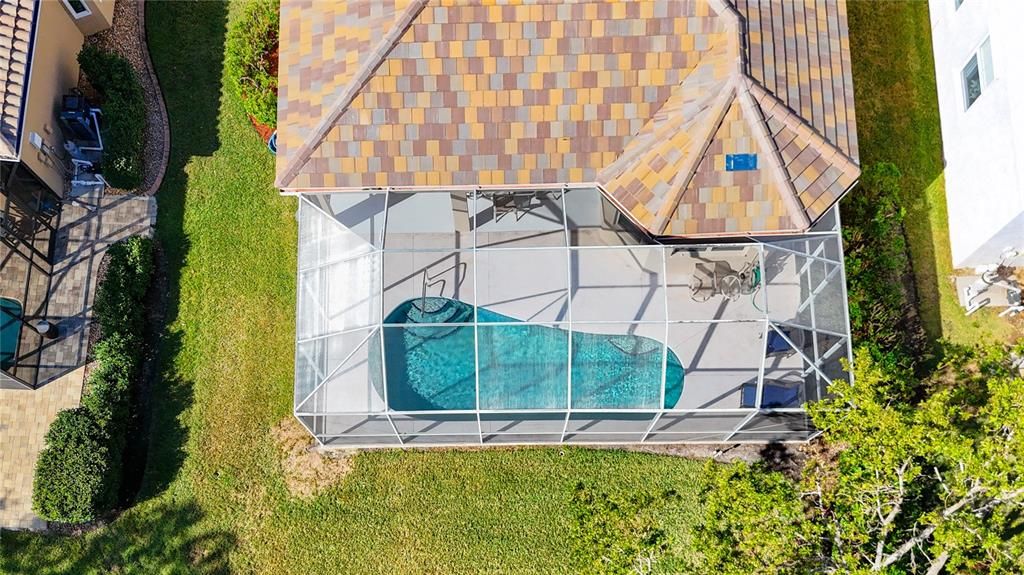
54,71
983,145
102,15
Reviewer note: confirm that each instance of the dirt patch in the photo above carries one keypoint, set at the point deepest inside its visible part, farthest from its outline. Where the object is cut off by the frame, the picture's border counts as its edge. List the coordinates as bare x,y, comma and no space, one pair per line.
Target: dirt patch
721,452
307,470
94,326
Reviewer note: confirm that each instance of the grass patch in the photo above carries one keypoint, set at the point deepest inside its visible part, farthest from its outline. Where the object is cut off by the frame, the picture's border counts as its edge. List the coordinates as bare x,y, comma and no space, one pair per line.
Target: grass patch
898,122
214,497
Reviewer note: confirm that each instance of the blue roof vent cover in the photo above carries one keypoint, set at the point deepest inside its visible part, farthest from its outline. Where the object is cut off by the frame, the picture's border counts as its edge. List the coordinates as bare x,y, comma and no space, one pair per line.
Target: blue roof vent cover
740,162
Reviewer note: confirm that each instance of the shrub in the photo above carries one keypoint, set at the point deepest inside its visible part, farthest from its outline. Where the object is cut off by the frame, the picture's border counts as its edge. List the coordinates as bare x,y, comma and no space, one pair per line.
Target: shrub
753,523
72,473
123,118
621,533
110,383
117,303
249,48
79,472
876,263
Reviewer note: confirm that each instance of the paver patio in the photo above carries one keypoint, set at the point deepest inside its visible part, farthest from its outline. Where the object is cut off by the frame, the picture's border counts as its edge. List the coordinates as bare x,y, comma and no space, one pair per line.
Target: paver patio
24,418
63,294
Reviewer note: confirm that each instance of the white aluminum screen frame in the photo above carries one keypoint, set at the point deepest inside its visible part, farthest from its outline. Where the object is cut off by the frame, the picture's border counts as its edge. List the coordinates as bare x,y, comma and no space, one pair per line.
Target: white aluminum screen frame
316,418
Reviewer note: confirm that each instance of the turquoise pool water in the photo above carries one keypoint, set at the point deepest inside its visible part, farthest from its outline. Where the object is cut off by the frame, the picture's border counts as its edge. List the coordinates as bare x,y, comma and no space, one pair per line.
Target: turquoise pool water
10,329
521,366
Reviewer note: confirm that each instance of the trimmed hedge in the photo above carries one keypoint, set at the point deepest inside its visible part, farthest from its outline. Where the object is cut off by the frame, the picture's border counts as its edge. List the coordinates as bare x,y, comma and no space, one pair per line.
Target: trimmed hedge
78,474
73,472
124,115
250,44
116,306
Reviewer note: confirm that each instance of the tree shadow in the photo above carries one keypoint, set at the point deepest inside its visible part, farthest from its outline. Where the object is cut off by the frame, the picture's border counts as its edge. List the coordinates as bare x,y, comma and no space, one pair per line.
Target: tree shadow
170,543
783,458
186,42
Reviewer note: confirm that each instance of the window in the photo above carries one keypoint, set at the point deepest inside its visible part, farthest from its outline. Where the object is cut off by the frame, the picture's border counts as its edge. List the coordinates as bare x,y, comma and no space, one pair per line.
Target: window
977,74
78,8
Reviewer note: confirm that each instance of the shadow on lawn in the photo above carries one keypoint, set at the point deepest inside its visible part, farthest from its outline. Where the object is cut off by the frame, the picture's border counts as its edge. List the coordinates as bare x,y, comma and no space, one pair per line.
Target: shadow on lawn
186,42
898,122
167,545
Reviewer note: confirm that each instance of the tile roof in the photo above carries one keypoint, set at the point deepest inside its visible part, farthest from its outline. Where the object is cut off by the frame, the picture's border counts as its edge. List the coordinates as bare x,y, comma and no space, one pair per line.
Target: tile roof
644,99
16,23
800,51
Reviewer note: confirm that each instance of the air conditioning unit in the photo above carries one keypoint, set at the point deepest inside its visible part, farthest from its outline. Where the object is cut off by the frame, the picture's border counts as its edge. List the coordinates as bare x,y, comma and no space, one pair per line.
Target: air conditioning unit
79,122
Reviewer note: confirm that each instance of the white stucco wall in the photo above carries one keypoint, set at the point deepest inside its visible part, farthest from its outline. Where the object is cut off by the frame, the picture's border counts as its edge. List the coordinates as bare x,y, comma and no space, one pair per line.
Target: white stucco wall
983,145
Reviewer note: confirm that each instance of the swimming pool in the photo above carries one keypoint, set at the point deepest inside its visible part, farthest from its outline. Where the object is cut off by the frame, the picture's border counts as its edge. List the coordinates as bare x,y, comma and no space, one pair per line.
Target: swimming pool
10,331
520,366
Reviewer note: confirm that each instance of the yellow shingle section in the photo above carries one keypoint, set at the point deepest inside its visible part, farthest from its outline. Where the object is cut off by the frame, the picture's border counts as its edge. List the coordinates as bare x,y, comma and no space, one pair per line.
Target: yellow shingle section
655,166
717,201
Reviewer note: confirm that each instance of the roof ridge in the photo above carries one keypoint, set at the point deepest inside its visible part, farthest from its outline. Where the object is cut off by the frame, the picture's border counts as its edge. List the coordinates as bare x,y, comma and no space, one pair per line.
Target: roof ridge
705,135
759,127
796,122
351,90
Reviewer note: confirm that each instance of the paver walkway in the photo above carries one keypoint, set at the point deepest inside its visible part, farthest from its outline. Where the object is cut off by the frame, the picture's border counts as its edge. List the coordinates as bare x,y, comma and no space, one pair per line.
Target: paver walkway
24,418
56,366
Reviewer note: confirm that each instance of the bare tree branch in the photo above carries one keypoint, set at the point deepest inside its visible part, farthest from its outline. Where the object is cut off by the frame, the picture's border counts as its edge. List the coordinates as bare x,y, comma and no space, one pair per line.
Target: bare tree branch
895,556
887,521
938,563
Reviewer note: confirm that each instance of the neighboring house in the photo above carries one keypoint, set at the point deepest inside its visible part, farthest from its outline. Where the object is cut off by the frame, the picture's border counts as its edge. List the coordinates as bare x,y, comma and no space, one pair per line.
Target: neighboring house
547,222
980,82
39,45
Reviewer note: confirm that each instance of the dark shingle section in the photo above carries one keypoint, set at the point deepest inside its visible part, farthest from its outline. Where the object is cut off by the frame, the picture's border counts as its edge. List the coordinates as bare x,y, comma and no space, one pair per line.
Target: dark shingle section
799,50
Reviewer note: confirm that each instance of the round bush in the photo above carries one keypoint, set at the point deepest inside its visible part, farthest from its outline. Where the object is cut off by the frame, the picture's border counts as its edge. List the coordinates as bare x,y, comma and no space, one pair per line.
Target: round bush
250,54
71,483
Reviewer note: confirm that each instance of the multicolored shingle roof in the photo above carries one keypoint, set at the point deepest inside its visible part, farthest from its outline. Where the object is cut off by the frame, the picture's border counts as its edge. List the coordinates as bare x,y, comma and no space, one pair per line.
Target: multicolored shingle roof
16,20
648,100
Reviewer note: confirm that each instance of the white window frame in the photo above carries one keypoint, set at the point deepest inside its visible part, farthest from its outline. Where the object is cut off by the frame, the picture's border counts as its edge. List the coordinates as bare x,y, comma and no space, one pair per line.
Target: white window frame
981,57
76,14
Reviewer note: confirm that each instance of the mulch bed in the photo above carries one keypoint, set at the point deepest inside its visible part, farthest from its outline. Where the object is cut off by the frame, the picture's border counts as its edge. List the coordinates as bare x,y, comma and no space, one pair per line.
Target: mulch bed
127,38
262,129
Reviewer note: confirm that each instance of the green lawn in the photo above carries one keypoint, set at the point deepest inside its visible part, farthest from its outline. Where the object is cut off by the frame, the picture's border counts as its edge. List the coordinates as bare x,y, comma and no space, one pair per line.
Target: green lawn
214,498
898,122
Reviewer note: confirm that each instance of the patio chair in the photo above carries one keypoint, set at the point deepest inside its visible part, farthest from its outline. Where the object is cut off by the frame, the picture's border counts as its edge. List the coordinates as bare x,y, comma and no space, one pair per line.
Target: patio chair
517,203
774,395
